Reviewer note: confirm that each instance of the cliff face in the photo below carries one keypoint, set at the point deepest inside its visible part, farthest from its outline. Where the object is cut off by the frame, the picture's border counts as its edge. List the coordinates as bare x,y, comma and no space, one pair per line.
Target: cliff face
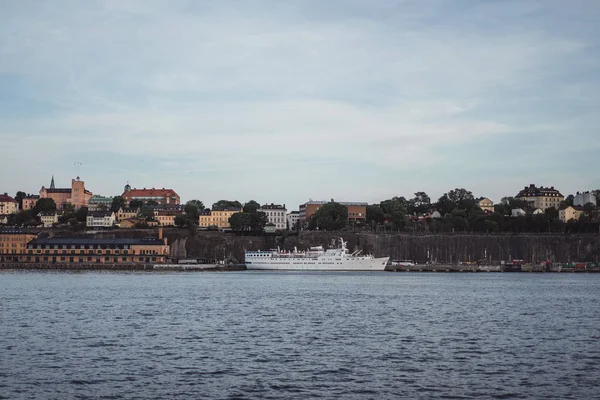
448,248
420,248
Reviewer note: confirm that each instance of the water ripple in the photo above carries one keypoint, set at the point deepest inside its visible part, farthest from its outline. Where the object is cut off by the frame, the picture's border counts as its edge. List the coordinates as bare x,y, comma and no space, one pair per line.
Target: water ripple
298,336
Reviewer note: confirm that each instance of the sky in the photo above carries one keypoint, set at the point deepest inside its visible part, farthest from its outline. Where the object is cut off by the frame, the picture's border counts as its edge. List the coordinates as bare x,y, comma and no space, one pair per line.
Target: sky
285,101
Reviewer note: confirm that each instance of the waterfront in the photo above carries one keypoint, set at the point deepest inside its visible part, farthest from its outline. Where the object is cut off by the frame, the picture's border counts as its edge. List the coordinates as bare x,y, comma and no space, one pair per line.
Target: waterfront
298,335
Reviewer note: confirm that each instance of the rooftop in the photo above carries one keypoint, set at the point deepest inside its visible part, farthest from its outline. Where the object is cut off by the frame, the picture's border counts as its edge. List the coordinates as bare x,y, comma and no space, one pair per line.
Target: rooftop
533,191
345,203
17,231
5,198
273,207
149,192
99,214
90,241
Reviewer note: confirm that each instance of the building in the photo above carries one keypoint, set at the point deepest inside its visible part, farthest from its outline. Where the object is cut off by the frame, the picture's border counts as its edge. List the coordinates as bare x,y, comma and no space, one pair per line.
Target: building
77,195
357,211
485,204
168,207
8,205
29,201
100,203
3,219
292,219
166,218
13,243
538,211
518,212
100,219
435,215
276,215
160,196
130,222
48,218
217,217
570,213
127,213
270,228
581,199
542,197
71,251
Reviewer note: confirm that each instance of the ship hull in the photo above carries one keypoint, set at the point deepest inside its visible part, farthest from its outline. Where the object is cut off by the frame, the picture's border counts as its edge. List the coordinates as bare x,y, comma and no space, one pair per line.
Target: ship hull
366,264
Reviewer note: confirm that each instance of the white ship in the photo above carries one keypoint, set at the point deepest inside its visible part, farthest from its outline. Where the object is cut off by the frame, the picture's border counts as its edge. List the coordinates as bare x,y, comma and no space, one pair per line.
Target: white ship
315,259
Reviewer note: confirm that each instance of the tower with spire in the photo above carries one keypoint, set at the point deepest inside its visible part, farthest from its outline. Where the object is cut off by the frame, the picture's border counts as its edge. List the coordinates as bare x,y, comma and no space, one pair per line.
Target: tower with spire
52,183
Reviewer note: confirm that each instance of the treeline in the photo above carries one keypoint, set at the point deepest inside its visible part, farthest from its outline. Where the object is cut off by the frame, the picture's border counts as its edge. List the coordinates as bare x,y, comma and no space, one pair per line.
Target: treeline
455,211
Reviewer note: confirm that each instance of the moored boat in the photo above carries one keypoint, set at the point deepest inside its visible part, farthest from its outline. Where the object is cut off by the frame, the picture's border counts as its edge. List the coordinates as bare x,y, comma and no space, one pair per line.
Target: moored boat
315,259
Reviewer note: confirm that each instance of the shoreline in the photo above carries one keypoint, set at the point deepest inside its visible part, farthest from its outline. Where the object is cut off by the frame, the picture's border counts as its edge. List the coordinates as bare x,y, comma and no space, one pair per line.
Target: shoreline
158,268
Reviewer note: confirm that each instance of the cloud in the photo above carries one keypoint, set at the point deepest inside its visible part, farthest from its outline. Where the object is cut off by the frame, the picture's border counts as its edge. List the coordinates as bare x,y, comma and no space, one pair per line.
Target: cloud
293,92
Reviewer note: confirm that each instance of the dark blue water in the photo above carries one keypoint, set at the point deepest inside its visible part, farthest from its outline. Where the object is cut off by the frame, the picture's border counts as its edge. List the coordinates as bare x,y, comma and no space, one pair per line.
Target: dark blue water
299,336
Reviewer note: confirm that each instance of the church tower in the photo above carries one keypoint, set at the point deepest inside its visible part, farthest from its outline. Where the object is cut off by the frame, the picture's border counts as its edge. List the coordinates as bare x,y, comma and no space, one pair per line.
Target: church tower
52,183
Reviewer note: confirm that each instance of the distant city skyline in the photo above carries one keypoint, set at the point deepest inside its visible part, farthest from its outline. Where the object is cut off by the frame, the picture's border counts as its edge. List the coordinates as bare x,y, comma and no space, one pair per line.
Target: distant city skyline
285,101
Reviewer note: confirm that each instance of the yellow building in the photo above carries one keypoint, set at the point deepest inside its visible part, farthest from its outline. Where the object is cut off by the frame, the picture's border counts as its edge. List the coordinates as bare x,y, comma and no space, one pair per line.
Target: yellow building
570,213
13,242
127,213
48,218
73,251
166,218
542,197
485,204
8,205
218,218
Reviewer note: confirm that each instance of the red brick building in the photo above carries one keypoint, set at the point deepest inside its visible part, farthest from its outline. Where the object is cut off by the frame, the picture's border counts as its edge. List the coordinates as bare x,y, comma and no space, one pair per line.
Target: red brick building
160,196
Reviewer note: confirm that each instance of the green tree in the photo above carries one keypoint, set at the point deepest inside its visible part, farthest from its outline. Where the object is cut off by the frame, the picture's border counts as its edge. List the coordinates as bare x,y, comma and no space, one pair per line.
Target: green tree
330,217
395,210
462,199
19,199
69,208
192,210
118,202
222,204
251,207
258,221
148,212
151,203
551,213
81,214
24,217
421,203
136,204
444,205
44,205
375,214
66,217
588,208
240,222
181,220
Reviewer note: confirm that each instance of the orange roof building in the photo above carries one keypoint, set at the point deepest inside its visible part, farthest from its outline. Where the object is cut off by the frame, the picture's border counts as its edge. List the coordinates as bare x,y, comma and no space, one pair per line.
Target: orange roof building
160,196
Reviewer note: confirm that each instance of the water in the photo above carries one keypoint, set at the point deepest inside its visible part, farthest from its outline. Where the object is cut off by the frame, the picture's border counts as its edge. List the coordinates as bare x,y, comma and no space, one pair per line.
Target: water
299,336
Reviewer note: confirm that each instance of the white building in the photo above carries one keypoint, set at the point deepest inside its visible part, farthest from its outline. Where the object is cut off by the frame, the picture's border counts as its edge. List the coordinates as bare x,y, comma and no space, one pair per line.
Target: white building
100,219
99,203
518,212
292,219
48,218
276,215
581,199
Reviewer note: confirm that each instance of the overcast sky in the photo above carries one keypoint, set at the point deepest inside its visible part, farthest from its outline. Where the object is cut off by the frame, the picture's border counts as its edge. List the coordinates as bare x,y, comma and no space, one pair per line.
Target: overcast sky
282,101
